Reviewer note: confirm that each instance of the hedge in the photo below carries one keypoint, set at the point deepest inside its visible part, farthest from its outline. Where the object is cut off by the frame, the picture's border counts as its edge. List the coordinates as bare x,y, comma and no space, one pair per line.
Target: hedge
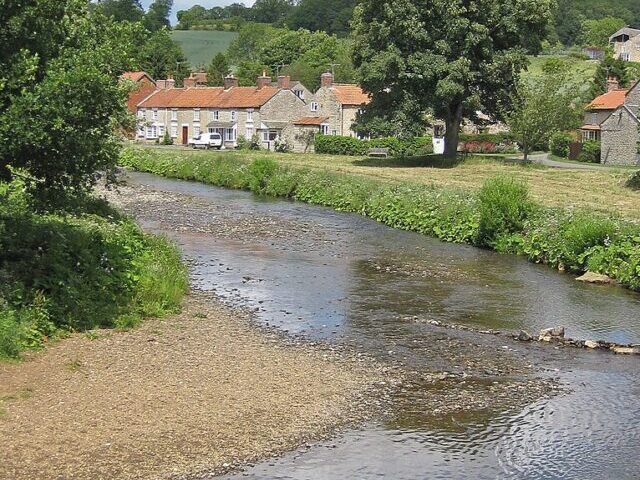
339,145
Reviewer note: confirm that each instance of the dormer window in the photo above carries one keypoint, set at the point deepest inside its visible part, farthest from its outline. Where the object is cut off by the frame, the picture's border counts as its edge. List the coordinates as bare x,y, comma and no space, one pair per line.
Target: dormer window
299,94
314,106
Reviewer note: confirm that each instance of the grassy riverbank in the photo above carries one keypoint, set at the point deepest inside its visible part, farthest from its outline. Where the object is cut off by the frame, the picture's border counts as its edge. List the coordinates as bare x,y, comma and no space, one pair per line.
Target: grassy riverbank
500,213
83,268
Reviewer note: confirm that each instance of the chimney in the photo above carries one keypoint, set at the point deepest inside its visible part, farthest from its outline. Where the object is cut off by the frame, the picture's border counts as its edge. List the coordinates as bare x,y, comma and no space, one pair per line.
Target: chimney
170,83
284,82
326,80
230,81
264,80
190,81
161,84
612,84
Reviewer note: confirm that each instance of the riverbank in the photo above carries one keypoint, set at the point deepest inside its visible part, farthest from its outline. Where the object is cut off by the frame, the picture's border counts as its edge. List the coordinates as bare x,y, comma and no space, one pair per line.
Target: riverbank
502,216
196,393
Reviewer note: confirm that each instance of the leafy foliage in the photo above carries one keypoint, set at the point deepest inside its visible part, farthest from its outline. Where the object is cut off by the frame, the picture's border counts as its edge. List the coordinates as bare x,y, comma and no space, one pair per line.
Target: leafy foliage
559,144
596,33
339,145
590,152
218,70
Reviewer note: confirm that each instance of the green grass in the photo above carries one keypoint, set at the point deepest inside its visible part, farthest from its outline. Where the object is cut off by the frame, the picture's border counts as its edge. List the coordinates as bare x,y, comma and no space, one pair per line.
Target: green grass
582,71
201,46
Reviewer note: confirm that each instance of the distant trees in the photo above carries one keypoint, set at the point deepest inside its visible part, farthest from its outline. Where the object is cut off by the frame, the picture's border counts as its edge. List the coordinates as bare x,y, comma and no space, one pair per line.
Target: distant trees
157,17
161,57
452,58
331,16
121,10
217,70
271,11
596,33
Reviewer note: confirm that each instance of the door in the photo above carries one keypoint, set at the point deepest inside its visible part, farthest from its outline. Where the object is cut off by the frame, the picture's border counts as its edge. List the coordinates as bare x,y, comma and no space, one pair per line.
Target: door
185,135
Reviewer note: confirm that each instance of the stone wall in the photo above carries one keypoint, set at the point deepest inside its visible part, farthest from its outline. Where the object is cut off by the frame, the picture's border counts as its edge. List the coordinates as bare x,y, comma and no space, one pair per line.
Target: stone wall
285,107
620,139
328,106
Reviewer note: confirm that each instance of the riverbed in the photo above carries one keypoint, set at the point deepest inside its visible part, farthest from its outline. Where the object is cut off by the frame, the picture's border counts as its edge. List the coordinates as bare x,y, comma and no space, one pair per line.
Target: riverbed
474,405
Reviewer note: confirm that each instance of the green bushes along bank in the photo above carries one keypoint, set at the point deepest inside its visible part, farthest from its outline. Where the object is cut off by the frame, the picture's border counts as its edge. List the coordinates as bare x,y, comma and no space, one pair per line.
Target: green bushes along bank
338,145
501,217
71,272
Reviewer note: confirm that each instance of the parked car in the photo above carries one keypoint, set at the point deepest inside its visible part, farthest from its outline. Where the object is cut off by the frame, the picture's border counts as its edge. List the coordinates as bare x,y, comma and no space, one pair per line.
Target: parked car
206,140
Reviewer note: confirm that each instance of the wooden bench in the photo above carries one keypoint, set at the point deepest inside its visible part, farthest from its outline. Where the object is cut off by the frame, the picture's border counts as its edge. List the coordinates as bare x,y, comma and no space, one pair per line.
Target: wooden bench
379,152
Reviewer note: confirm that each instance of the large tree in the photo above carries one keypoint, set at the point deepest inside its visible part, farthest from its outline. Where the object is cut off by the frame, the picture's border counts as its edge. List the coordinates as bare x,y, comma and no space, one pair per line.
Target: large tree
596,33
161,57
217,70
454,57
271,11
60,98
331,16
121,10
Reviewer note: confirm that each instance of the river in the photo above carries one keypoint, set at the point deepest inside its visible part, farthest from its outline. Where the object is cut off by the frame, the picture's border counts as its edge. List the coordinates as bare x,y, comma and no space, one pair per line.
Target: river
345,279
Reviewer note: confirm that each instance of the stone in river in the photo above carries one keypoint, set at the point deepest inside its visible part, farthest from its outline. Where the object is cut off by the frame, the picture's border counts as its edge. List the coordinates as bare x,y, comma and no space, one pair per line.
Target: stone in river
626,350
524,336
596,278
591,344
549,334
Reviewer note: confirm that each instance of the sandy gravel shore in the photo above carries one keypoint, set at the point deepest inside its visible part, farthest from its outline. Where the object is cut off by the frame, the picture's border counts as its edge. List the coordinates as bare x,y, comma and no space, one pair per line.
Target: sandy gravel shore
196,393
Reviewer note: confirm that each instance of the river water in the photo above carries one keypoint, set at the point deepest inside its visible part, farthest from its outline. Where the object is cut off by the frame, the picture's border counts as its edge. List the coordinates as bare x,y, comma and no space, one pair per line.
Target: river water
343,278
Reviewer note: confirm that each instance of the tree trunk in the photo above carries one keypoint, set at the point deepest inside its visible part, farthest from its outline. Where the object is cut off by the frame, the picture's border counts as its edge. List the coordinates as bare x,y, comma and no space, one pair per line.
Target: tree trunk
452,135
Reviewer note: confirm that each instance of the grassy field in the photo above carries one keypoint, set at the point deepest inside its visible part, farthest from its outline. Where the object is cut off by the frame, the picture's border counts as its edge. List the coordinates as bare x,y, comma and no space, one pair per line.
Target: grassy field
582,71
201,46
602,191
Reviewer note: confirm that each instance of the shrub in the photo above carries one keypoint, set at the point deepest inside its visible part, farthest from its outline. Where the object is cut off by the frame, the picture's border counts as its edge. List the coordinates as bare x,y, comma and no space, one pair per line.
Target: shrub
633,182
479,147
260,173
166,138
582,232
559,143
504,206
590,152
281,146
337,145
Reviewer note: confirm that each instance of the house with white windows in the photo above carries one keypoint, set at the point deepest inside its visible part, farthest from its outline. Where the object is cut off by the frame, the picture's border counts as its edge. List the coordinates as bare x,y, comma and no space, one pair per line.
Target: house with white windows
264,110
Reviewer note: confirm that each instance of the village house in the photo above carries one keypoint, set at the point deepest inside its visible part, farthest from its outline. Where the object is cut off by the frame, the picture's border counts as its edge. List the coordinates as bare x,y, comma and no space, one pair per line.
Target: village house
612,119
144,86
626,44
265,110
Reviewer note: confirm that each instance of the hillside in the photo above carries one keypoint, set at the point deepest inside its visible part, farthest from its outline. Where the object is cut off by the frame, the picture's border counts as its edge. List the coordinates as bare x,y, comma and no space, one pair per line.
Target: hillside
201,46
582,71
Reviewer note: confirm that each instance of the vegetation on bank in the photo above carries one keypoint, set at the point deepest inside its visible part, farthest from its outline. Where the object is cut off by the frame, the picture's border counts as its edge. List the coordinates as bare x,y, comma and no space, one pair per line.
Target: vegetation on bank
92,268
502,216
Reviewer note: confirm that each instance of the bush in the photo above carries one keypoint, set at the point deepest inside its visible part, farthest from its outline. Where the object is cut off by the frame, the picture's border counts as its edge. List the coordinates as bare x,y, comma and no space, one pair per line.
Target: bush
260,172
559,144
633,182
582,232
248,144
166,139
590,152
338,145
77,271
504,206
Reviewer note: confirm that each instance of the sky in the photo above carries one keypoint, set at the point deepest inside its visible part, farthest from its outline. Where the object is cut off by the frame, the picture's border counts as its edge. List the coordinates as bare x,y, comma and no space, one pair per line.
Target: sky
186,4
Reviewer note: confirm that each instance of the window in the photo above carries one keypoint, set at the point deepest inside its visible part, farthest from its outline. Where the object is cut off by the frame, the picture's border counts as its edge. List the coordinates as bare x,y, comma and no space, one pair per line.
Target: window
324,129
161,130
141,113
249,115
590,135
174,115
230,134
314,106
196,130
249,133
299,94
196,114
154,116
174,131
215,114
233,115
219,131
152,131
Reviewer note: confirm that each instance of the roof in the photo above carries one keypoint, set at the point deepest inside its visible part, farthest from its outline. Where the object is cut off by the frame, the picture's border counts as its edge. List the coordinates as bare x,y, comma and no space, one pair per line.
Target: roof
629,32
210,97
317,121
349,94
608,101
135,76
590,127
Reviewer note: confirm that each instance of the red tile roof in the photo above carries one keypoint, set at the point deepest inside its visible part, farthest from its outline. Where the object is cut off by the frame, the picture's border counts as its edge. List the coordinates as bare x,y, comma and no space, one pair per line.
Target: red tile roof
210,97
134,76
349,94
317,121
608,101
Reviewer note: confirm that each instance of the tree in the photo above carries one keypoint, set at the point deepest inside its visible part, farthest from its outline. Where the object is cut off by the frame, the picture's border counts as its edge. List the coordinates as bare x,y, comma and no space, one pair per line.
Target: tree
596,33
157,17
543,106
331,16
217,71
609,67
568,22
271,11
455,57
60,68
250,40
121,10
161,57
248,72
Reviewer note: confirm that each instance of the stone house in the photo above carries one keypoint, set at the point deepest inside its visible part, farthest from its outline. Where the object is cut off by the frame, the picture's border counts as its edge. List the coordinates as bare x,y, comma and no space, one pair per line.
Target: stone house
626,44
600,109
264,110
144,86
620,132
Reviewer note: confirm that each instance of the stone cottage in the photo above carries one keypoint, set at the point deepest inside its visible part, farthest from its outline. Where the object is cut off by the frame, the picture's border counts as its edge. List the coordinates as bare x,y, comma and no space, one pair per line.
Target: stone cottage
339,104
620,132
600,109
264,110
626,44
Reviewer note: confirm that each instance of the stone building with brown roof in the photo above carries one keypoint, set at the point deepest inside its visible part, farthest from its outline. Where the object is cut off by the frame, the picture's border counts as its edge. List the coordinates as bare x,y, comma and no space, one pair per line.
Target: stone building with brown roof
144,86
233,111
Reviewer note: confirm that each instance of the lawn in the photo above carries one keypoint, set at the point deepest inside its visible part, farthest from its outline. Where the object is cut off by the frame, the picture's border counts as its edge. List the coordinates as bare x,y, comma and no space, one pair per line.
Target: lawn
201,46
602,191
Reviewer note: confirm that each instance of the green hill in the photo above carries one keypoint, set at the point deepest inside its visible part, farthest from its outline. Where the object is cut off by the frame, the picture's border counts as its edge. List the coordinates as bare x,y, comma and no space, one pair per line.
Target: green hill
201,46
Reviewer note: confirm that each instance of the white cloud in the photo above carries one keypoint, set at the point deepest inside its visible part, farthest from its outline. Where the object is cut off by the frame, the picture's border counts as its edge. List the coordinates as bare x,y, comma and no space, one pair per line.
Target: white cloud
186,4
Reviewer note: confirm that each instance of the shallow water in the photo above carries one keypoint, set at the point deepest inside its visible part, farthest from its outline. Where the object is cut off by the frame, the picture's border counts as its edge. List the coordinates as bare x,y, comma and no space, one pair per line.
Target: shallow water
344,278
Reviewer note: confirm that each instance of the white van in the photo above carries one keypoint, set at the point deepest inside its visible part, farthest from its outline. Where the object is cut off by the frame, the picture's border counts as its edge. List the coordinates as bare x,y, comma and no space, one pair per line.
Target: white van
206,140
